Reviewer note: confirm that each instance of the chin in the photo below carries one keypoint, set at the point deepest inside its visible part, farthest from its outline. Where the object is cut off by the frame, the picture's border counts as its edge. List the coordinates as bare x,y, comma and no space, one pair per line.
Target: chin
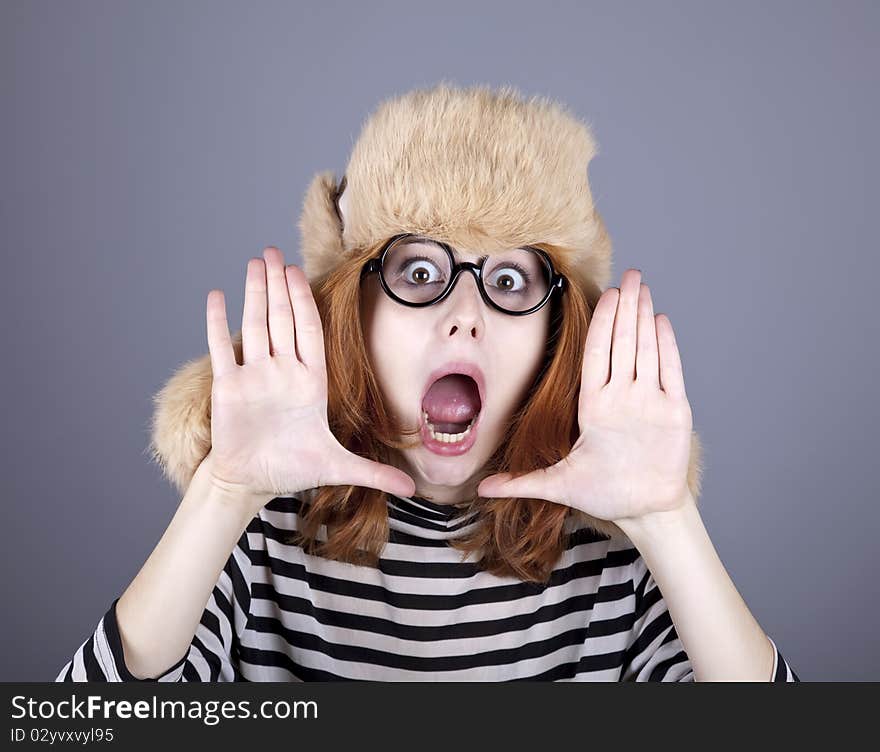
444,471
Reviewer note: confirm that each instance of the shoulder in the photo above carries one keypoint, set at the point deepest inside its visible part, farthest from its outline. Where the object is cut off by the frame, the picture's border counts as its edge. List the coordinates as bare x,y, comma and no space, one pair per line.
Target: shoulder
612,555
277,519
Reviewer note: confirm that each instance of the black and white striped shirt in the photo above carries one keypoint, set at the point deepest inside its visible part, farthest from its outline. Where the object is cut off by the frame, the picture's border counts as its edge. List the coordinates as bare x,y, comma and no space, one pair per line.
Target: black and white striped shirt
280,614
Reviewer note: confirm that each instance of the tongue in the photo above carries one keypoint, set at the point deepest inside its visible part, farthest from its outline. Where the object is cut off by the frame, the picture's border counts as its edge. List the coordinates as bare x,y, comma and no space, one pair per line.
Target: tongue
452,402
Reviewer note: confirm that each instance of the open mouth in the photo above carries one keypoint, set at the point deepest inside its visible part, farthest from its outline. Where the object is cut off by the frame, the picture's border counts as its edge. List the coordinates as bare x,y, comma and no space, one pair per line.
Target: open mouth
451,411
448,433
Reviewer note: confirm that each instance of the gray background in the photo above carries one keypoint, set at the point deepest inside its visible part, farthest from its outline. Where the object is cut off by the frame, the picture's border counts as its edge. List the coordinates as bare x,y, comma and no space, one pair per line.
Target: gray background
150,149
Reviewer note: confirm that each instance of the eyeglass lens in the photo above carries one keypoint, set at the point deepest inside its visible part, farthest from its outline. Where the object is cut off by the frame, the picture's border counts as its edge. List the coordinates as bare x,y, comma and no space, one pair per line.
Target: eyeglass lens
418,270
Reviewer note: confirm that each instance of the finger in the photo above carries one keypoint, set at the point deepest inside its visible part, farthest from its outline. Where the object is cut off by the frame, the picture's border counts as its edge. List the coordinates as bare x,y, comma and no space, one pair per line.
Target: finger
671,374
623,341
360,471
647,359
307,321
546,483
254,330
596,369
219,341
281,339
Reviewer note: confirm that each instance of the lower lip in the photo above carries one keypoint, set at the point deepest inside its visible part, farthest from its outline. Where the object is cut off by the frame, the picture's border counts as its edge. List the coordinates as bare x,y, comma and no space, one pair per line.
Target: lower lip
450,450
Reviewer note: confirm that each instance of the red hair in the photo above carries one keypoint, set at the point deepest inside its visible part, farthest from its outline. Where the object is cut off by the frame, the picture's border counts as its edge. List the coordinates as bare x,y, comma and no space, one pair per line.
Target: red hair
523,538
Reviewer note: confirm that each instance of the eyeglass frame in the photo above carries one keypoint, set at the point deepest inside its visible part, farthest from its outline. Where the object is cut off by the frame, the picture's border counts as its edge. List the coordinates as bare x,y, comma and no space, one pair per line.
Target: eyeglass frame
375,264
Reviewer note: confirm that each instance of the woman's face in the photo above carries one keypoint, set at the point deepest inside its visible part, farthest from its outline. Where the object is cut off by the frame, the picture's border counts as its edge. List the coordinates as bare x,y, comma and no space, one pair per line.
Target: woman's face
407,345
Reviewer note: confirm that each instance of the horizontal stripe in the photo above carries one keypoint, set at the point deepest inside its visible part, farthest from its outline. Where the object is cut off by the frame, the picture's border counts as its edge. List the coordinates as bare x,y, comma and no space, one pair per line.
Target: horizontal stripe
325,583
427,612
581,604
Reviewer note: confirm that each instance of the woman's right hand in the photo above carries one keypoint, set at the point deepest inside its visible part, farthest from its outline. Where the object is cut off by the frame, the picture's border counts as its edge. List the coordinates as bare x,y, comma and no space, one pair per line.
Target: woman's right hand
269,430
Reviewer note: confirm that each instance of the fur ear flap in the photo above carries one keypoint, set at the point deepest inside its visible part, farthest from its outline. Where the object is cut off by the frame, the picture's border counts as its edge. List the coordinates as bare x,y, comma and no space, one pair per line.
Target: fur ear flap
341,201
320,226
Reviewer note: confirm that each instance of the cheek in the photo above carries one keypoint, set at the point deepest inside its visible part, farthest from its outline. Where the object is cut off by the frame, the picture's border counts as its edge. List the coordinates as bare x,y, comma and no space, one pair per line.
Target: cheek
523,360
531,341
388,339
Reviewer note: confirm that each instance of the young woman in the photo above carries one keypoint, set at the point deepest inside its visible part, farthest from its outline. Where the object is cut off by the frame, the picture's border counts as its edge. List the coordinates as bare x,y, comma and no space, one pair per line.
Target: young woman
439,451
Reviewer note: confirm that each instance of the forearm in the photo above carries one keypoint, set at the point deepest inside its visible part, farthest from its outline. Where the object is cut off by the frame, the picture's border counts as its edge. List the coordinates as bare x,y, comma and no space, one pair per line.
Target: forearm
160,610
720,635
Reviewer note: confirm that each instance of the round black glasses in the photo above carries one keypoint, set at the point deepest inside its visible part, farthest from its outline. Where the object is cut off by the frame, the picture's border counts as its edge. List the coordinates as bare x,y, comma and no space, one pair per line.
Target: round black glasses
418,271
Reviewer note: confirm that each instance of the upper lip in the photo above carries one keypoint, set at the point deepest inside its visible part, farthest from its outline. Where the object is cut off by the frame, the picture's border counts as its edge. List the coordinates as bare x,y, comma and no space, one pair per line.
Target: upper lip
459,366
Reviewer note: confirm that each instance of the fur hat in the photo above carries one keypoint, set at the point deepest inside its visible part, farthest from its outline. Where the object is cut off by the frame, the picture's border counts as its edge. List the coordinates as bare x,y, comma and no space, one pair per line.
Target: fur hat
479,169
482,170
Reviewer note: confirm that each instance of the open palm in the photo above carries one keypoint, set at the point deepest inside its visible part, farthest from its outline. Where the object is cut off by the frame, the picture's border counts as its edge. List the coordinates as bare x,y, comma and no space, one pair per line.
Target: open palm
635,422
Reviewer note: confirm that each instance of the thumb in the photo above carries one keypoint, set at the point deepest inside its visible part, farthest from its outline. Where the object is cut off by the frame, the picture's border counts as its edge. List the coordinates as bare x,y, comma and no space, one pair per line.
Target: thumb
360,471
538,484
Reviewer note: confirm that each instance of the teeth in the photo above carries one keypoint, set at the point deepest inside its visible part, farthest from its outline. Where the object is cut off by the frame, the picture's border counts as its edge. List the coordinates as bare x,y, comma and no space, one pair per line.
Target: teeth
447,438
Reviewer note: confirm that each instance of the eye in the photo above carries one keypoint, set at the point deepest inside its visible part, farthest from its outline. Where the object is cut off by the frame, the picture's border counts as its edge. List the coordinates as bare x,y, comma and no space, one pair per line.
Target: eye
421,267
510,278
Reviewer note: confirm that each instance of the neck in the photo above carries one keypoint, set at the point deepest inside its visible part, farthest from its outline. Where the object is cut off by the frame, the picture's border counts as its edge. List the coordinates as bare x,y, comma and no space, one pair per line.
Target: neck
438,493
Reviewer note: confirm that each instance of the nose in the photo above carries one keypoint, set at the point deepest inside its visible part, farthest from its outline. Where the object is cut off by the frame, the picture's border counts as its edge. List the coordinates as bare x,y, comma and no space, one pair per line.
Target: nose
464,307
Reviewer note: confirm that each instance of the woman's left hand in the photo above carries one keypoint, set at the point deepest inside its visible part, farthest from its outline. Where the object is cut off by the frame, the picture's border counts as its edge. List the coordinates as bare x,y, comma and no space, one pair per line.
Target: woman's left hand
635,421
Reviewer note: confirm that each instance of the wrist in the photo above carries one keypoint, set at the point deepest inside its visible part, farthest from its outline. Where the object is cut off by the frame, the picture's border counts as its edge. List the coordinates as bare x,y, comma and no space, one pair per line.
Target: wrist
662,524
227,498
235,499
